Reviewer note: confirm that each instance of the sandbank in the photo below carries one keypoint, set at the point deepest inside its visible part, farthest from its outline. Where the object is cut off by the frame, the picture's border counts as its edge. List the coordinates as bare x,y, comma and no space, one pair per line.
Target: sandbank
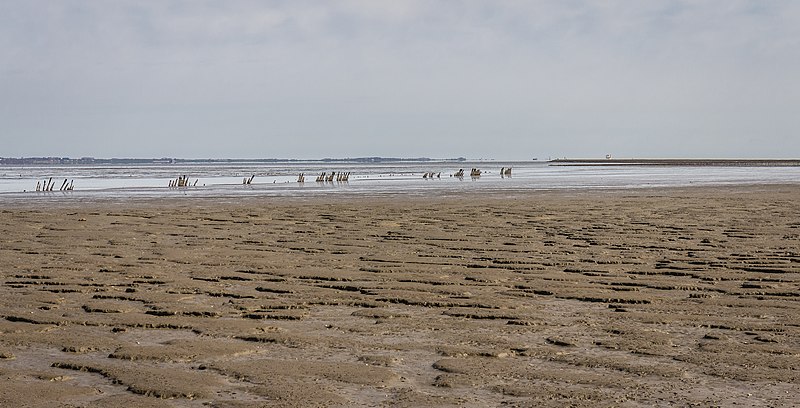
576,298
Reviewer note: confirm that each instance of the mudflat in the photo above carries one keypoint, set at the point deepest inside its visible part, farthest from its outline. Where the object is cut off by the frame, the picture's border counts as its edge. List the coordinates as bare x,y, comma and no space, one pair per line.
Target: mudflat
604,298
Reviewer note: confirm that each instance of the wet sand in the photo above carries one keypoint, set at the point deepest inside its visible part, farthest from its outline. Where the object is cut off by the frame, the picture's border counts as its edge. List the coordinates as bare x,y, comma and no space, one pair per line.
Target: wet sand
605,298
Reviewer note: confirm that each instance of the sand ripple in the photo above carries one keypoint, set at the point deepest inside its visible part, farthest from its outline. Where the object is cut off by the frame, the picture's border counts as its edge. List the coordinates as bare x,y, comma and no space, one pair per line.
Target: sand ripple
672,297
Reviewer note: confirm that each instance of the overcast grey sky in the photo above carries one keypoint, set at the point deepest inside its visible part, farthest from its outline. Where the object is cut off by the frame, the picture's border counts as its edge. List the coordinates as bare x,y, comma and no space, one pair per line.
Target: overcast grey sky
479,79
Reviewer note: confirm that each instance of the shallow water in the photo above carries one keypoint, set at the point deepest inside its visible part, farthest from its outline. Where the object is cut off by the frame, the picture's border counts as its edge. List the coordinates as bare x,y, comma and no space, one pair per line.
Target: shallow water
225,180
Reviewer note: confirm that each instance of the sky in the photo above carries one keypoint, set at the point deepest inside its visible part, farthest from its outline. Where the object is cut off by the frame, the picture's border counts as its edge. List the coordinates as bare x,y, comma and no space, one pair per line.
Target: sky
493,79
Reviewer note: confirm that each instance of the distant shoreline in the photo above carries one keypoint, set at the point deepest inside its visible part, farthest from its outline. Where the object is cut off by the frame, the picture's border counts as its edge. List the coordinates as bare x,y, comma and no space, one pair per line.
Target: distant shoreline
49,161
678,162
92,161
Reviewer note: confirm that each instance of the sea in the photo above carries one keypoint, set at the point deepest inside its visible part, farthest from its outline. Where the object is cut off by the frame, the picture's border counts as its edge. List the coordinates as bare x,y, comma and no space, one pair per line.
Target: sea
404,178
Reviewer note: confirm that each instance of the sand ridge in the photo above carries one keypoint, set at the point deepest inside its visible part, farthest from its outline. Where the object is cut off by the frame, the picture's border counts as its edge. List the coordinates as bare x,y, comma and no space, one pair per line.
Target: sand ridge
626,298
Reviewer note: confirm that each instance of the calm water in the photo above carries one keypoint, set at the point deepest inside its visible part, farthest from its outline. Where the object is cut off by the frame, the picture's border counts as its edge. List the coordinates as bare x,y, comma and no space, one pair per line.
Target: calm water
225,180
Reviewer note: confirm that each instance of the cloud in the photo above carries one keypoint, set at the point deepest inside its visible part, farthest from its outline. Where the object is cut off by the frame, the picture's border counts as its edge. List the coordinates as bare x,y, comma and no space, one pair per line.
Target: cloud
565,76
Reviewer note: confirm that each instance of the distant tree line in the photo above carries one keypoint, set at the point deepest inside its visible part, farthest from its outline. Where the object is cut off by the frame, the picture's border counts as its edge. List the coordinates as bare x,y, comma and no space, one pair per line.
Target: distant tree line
35,161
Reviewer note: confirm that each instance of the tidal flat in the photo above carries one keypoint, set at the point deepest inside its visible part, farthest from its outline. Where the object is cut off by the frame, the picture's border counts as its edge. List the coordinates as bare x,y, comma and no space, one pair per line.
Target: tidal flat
645,297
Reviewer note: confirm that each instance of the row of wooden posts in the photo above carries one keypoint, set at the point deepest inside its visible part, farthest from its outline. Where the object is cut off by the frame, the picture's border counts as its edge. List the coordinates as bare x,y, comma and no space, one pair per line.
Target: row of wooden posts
325,177
345,176
301,178
47,185
472,173
182,181
504,171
